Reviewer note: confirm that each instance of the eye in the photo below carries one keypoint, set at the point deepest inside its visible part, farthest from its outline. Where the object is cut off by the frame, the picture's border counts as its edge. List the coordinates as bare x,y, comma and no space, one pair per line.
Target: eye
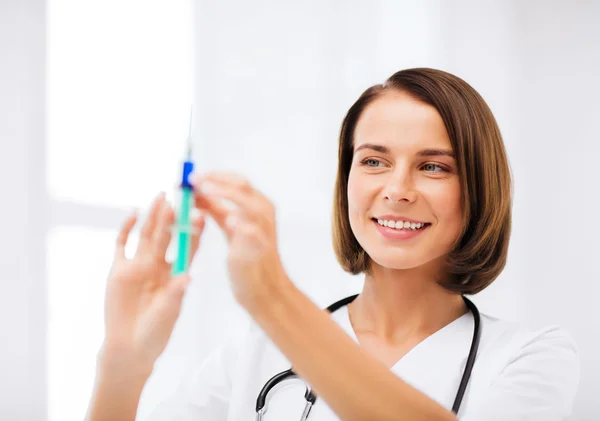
371,162
433,168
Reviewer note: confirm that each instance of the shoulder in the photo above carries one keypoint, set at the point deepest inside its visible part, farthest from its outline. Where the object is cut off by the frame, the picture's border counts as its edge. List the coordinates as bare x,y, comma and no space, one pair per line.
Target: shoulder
510,340
525,371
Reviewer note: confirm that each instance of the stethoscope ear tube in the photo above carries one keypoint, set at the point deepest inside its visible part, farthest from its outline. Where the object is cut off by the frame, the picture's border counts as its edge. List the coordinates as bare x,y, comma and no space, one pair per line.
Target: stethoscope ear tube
472,355
341,303
311,398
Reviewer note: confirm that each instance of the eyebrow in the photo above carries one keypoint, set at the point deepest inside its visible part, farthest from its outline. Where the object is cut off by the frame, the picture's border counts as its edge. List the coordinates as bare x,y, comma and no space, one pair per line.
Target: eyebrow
424,152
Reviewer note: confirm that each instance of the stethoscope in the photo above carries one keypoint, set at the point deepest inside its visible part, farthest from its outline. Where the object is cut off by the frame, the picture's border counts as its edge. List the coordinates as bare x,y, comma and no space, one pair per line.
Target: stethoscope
311,398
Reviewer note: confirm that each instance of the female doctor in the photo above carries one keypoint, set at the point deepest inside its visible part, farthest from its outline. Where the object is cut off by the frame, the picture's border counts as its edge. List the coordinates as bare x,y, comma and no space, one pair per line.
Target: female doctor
422,208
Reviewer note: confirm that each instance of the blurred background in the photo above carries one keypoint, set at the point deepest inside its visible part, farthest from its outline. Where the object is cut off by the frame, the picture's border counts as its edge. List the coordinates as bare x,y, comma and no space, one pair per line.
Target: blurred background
94,104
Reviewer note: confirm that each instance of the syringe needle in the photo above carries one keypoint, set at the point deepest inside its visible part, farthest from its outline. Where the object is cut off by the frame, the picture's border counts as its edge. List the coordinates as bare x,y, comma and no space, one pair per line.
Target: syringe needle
189,139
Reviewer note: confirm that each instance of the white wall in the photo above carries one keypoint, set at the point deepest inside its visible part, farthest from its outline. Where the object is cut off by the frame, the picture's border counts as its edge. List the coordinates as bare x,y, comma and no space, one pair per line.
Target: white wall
559,126
537,64
22,218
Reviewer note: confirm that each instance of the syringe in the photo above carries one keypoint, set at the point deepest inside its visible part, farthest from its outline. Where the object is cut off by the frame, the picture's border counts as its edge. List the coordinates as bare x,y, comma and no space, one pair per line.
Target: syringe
184,228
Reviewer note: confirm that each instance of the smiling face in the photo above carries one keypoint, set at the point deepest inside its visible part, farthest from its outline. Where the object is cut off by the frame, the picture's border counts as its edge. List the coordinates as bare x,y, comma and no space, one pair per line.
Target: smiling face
404,193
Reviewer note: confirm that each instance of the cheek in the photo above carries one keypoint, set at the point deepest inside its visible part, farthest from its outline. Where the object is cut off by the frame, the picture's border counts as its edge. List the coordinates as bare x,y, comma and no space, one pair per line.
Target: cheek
355,194
447,204
359,202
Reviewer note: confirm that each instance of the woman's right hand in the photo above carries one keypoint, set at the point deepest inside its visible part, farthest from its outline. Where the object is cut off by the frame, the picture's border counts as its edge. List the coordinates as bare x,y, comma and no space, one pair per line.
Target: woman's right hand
143,300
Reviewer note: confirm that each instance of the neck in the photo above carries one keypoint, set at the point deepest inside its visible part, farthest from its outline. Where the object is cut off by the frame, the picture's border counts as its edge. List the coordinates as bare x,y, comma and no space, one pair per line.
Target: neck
397,305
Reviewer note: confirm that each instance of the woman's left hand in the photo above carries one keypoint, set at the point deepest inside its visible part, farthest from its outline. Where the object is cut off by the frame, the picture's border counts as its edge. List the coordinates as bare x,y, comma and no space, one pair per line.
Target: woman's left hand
255,268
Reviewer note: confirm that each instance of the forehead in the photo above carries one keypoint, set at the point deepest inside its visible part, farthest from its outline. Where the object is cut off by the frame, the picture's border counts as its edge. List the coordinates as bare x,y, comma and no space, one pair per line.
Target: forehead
396,118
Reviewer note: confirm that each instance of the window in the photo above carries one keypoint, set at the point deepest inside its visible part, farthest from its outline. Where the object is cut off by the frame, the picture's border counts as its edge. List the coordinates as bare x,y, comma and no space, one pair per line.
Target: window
119,91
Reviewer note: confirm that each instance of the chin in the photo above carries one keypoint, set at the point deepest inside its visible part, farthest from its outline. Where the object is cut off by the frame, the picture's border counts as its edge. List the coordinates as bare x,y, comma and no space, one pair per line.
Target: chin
398,260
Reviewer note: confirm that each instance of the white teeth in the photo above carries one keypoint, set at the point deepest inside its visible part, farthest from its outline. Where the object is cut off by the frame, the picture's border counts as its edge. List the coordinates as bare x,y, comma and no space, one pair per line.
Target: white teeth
400,224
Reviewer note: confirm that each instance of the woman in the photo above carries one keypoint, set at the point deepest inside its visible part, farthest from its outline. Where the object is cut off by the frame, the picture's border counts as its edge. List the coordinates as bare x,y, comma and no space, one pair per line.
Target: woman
423,209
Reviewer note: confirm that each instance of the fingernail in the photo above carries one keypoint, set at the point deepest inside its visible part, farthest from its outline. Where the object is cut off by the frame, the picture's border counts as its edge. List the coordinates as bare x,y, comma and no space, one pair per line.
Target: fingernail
194,178
206,187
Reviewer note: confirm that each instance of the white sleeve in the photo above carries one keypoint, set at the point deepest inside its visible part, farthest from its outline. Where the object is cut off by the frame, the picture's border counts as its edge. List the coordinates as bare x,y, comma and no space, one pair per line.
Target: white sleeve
538,384
204,394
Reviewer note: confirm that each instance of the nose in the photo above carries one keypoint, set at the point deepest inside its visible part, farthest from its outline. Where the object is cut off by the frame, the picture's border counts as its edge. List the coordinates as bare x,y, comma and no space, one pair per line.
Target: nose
400,187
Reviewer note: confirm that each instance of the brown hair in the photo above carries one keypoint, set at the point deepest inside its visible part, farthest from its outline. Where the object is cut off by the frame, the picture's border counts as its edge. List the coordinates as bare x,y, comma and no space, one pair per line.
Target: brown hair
479,254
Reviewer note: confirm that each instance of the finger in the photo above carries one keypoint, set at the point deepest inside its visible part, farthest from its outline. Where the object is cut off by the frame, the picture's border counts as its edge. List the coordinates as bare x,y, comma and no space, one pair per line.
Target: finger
159,320
198,224
249,201
237,192
147,231
213,207
170,305
124,235
224,180
222,177
253,208
162,233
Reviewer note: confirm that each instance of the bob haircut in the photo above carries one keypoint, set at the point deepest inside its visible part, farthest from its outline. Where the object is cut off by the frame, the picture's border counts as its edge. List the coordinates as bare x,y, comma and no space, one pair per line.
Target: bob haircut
480,251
